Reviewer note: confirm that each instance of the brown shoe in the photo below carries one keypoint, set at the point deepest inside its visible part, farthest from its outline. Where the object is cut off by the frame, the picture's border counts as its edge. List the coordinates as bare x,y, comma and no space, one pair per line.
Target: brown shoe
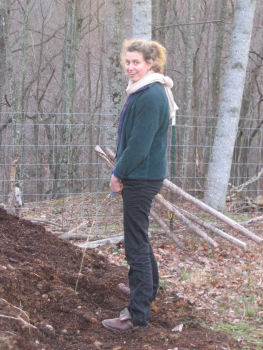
125,290
122,323
115,324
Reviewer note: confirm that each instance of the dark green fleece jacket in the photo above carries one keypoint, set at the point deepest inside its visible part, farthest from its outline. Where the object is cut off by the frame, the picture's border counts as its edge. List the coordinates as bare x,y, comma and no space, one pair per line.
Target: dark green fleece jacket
142,151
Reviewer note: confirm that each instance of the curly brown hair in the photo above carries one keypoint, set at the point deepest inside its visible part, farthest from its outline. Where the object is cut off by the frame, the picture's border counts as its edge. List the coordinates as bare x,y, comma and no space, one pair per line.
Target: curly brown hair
152,52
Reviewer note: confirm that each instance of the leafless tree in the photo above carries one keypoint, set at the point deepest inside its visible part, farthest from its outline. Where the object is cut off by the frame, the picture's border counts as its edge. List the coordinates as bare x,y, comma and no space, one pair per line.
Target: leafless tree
142,19
231,99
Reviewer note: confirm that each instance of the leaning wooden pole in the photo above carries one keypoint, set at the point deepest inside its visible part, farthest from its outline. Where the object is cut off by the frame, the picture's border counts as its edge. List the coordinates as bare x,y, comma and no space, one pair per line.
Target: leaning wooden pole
165,227
108,155
177,190
213,229
187,222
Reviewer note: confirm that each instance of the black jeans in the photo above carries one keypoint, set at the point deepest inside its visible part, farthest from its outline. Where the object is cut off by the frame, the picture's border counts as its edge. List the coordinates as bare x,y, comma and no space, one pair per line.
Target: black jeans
143,273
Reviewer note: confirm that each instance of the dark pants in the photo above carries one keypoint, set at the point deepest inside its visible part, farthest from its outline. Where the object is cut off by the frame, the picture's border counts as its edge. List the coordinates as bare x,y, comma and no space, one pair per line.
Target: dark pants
143,273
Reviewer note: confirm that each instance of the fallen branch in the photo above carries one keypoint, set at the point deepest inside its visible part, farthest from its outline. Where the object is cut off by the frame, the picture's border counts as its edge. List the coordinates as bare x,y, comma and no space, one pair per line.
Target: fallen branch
25,324
256,219
187,222
44,222
101,242
167,229
240,188
215,230
175,189
72,235
19,318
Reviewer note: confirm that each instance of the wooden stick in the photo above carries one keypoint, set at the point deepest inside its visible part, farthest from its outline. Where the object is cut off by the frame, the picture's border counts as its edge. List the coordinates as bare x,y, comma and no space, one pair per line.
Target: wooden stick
19,318
187,222
25,323
101,242
44,222
109,153
177,190
103,155
166,229
214,229
70,235
256,219
85,223
240,188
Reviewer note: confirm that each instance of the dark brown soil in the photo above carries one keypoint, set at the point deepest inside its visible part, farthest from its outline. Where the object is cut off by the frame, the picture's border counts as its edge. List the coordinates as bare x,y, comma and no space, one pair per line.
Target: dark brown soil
40,307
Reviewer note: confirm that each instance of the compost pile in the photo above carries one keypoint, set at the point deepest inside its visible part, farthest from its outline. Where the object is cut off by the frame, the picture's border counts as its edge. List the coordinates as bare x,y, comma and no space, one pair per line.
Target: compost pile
52,298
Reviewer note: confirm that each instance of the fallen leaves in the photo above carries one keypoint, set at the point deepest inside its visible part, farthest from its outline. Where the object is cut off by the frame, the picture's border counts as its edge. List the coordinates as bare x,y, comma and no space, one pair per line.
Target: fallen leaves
214,279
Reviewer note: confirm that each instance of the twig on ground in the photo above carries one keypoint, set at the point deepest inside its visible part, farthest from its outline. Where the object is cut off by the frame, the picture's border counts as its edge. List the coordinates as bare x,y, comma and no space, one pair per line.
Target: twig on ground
240,188
25,323
18,318
101,242
71,234
44,222
251,221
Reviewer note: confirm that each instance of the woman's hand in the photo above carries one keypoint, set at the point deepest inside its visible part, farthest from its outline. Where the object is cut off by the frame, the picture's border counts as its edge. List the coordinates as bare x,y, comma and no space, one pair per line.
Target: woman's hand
115,184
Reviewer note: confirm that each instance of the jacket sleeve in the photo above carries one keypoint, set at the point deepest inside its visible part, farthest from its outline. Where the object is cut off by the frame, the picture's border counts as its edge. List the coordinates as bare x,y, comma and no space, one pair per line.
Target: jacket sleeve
146,124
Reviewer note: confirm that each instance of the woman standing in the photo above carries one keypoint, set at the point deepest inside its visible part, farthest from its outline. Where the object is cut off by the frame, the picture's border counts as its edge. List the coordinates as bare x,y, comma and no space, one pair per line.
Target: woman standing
141,166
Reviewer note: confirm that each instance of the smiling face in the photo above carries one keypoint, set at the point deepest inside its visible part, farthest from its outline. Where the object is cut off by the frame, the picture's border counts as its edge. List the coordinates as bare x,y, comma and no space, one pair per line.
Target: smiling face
135,66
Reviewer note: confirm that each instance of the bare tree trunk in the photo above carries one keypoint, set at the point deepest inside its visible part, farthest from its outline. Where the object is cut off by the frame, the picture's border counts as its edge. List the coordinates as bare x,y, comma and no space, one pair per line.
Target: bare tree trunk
188,91
160,10
3,66
220,12
113,74
250,126
142,19
39,97
94,100
10,66
65,170
222,153
18,94
221,7
71,43
3,21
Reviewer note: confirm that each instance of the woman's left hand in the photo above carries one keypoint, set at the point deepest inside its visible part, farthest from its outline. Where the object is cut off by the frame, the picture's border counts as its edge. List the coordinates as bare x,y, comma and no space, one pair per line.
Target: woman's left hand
115,184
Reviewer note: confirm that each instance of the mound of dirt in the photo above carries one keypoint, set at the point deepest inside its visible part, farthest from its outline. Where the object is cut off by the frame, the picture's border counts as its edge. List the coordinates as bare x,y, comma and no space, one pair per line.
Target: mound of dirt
46,303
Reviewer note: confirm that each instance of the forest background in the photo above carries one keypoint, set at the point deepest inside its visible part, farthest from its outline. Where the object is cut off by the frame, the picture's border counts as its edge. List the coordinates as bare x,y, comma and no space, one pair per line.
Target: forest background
62,89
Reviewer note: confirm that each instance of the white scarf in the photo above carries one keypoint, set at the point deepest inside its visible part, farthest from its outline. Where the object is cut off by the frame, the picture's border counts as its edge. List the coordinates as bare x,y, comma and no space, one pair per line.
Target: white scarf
152,77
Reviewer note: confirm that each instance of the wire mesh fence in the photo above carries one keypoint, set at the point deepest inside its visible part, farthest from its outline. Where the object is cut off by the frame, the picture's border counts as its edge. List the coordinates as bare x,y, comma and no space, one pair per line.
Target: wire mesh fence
56,158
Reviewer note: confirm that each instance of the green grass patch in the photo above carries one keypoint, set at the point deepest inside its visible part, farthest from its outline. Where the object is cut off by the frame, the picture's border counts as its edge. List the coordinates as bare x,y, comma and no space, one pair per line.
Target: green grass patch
243,331
237,217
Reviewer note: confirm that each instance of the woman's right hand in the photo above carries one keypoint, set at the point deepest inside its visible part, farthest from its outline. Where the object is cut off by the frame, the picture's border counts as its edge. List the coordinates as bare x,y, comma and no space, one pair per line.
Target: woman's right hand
115,184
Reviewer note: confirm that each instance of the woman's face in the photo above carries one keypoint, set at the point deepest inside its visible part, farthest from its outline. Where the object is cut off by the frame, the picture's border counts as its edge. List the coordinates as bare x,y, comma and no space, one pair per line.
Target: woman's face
135,66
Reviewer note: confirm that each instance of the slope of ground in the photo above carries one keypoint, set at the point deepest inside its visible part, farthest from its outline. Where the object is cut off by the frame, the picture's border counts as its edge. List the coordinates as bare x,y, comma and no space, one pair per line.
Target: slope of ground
54,297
